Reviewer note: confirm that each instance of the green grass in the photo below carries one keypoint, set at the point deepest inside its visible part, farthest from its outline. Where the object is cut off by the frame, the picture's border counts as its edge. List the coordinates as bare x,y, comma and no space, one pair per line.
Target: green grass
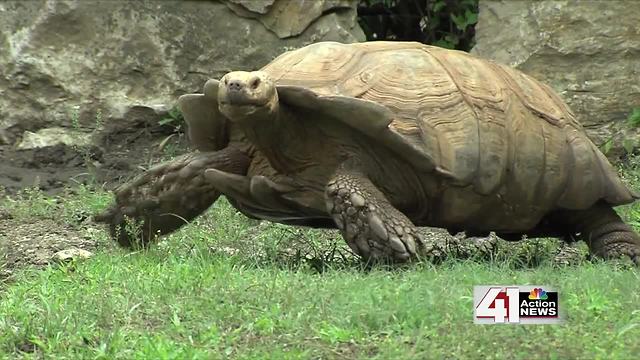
230,287
159,305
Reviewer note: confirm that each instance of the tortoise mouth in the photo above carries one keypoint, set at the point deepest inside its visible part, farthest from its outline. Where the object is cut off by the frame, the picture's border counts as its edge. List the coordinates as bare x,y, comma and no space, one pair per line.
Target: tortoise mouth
240,99
235,110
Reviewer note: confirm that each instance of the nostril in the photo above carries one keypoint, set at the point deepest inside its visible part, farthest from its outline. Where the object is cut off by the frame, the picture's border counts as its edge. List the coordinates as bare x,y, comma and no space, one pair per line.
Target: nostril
234,85
255,83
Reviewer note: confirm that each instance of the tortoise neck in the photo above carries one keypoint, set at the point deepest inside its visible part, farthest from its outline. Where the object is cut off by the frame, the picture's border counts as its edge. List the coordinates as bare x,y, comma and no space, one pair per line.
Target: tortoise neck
277,138
270,133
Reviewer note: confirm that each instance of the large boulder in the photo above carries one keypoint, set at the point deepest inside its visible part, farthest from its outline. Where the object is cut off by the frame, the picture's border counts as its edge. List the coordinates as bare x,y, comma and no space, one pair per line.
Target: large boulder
588,51
57,55
79,65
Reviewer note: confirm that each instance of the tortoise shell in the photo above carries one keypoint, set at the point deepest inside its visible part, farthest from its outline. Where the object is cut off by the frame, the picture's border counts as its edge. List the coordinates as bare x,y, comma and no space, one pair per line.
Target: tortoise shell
483,125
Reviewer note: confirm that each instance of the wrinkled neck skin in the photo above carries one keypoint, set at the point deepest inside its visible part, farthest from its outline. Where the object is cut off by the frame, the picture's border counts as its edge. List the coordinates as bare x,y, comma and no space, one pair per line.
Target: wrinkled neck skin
278,136
290,144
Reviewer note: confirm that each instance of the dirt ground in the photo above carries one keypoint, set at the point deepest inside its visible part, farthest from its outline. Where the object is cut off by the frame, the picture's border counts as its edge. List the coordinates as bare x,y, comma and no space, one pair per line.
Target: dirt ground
35,242
121,152
118,153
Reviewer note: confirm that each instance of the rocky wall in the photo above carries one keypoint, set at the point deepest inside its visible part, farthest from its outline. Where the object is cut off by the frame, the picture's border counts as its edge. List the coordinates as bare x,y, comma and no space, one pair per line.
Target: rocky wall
588,51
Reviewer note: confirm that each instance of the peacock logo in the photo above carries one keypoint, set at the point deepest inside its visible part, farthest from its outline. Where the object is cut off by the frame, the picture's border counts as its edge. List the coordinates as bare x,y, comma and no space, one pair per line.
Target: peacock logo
538,294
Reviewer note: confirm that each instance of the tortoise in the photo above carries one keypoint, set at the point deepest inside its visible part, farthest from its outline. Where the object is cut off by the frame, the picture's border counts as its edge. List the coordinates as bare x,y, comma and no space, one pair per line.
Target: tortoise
378,138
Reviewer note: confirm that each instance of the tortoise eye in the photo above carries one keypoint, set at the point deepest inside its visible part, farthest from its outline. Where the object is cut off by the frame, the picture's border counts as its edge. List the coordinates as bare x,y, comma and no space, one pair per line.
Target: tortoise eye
255,82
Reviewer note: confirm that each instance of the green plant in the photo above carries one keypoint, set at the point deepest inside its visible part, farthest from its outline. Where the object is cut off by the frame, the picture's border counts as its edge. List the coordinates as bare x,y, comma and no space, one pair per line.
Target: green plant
445,23
169,147
634,118
98,120
86,150
75,118
174,119
628,144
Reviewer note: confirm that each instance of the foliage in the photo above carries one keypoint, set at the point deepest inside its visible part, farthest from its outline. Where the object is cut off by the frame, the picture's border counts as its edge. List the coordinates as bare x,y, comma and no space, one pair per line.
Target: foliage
628,144
87,152
445,23
634,118
170,147
174,119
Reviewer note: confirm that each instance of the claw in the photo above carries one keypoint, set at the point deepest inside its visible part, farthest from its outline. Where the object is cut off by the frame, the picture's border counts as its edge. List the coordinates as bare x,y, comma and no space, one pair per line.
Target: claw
235,186
266,191
376,225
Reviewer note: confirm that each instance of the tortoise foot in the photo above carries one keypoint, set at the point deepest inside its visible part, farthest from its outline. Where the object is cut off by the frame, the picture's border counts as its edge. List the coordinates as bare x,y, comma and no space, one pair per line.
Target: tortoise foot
371,226
166,197
615,241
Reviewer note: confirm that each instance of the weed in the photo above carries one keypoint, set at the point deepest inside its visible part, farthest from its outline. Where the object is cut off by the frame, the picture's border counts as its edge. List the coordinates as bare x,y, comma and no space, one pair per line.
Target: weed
634,118
86,150
174,119
628,144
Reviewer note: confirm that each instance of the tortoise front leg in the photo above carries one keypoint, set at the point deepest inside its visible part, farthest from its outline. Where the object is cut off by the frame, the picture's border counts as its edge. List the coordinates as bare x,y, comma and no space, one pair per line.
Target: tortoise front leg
168,195
371,226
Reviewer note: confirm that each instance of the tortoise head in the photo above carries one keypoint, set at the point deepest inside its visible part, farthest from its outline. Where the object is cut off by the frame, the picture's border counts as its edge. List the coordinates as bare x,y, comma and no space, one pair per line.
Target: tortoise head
247,95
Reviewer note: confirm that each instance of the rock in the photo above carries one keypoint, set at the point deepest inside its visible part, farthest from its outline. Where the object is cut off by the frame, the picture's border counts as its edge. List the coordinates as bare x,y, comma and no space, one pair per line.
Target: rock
59,56
54,136
255,6
4,137
71,254
588,51
288,18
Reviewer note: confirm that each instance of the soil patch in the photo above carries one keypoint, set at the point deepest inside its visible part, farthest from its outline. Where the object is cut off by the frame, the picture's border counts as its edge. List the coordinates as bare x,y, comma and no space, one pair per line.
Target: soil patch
34,242
119,153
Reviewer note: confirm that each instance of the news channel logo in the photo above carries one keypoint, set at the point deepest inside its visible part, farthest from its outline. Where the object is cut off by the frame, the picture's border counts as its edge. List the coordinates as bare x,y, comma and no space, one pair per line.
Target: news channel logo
516,304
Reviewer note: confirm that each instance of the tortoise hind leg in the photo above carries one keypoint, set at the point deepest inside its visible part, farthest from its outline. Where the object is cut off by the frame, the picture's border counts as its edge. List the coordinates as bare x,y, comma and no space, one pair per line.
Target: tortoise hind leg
371,226
167,196
605,233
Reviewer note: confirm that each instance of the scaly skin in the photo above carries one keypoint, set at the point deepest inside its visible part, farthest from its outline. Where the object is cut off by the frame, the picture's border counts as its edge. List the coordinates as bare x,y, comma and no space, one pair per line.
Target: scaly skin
371,226
606,234
168,195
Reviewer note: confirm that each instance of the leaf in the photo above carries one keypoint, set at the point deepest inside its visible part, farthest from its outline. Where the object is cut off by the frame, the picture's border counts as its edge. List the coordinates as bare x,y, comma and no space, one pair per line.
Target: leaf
453,39
385,3
166,121
444,44
175,113
471,17
434,22
438,5
627,328
459,20
606,147
634,118
628,145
